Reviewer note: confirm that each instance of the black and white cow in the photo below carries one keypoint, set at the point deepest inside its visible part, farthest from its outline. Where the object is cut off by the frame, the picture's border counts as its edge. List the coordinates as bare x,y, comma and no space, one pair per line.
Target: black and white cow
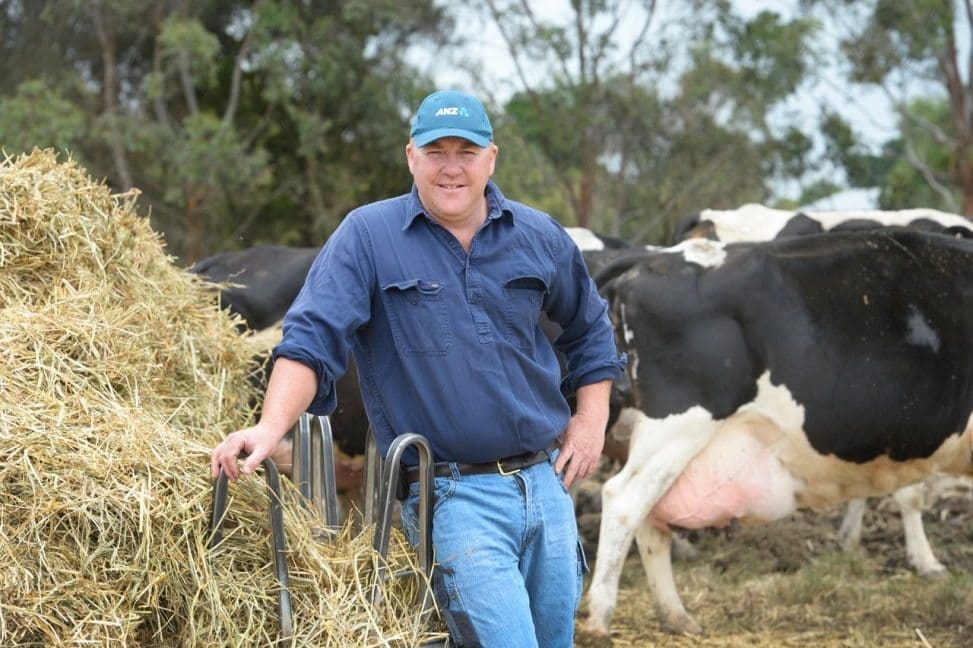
263,279
587,239
755,222
771,376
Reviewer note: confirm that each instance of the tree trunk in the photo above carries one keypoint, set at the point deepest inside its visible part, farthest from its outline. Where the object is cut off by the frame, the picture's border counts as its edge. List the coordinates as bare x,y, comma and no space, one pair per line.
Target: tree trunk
586,190
192,249
106,40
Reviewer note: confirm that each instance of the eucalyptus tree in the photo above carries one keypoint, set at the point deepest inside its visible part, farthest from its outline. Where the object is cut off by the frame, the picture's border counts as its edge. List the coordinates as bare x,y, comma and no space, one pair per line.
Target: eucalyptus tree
238,120
647,111
917,54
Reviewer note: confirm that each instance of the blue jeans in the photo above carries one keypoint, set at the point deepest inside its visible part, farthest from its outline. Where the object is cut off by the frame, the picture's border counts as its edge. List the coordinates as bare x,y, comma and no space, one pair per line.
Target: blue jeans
508,564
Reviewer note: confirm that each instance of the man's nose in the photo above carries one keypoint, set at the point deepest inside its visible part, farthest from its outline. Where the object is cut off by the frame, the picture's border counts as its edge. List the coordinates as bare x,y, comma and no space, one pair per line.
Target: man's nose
453,162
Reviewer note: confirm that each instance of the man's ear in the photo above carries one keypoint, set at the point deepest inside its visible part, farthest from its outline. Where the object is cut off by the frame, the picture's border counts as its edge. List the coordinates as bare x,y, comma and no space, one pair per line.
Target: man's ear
410,152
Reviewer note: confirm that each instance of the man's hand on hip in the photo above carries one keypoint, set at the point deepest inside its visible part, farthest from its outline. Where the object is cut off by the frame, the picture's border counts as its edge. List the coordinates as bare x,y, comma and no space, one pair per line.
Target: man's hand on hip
584,437
580,448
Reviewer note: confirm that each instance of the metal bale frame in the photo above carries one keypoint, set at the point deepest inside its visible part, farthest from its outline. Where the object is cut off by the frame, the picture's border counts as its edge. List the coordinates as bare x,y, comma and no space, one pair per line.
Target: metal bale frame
314,472
313,461
381,495
286,613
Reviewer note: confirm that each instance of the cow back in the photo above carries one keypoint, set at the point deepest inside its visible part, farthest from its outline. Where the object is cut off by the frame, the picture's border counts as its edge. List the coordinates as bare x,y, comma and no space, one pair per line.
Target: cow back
870,332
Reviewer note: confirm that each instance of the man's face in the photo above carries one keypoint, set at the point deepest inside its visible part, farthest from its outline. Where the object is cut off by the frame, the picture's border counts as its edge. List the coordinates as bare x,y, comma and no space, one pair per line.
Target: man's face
451,175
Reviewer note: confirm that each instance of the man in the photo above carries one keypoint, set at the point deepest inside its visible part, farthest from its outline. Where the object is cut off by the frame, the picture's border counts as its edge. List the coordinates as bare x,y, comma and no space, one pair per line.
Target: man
438,293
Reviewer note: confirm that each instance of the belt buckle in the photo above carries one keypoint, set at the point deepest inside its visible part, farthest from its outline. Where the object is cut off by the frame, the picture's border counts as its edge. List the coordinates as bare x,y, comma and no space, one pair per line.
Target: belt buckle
505,473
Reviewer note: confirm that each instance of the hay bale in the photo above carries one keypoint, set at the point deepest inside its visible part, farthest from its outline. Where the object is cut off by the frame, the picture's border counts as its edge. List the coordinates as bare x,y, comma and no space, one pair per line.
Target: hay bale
118,374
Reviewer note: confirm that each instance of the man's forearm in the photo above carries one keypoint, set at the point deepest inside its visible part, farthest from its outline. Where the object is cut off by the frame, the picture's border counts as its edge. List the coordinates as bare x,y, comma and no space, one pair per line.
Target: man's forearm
290,390
593,399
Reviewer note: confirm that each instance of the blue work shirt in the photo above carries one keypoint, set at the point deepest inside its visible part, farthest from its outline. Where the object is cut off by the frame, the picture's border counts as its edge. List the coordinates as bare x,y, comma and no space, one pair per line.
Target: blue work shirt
448,344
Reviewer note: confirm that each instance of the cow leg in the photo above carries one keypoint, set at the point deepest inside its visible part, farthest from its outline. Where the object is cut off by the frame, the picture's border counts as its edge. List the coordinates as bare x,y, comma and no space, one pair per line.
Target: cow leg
911,501
918,550
850,533
619,435
659,452
654,548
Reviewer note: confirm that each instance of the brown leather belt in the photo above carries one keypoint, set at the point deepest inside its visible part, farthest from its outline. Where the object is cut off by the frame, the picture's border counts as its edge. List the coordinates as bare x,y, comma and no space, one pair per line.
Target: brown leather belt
506,466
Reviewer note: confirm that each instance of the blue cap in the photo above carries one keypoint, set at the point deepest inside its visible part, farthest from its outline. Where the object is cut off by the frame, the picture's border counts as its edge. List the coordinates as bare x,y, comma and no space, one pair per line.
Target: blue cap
451,113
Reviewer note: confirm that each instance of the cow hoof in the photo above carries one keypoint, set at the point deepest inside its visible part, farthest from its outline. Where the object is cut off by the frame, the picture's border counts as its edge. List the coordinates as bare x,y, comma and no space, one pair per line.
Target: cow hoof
588,639
933,571
681,624
593,628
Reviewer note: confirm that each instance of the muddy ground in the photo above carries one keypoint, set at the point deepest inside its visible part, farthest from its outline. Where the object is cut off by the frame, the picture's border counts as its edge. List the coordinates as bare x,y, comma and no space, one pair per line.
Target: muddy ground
789,583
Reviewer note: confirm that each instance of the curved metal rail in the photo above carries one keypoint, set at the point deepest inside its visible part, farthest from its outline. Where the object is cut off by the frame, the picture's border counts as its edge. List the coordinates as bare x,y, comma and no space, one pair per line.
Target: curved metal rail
286,613
314,472
373,479
390,479
314,463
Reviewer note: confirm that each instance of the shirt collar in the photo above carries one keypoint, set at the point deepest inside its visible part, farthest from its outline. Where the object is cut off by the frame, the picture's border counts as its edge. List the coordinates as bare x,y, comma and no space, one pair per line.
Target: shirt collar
497,205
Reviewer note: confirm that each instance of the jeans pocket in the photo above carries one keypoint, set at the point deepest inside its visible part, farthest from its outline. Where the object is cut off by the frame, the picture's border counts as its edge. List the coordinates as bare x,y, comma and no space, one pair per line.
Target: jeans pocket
450,601
442,490
582,571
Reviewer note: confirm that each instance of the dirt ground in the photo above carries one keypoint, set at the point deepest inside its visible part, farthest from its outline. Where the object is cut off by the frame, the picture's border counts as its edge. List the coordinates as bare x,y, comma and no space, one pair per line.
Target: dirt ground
789,583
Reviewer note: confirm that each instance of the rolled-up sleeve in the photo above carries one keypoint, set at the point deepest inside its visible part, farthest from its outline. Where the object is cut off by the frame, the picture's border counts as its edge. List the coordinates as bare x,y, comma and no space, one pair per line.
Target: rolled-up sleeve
587,340
334,303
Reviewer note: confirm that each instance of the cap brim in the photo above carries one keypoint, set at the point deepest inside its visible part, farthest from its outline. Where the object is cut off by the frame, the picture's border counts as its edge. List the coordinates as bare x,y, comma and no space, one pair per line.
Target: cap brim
426,138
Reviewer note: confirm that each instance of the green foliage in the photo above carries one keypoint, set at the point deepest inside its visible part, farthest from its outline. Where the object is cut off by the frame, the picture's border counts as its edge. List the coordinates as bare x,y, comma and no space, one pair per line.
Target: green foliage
771,60
211,158
900,33
540,119
239,121
185,39
40,116
909,49
906,185
246,121
525,174
643,159
793,148
816,191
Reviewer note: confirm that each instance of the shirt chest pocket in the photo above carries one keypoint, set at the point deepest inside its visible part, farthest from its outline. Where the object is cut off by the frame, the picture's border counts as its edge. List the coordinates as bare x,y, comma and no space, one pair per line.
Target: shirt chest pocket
524,296
418,317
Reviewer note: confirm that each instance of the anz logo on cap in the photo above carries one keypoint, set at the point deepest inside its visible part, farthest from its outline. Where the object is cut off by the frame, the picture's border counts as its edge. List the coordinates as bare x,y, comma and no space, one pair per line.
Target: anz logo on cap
452,112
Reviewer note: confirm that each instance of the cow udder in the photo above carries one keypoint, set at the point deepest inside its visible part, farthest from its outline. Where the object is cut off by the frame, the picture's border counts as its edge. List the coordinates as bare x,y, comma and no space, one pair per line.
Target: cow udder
734,477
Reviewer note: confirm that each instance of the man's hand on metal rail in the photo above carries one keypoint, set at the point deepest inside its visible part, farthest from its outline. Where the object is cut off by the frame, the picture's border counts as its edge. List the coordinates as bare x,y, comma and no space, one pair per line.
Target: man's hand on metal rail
257,443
